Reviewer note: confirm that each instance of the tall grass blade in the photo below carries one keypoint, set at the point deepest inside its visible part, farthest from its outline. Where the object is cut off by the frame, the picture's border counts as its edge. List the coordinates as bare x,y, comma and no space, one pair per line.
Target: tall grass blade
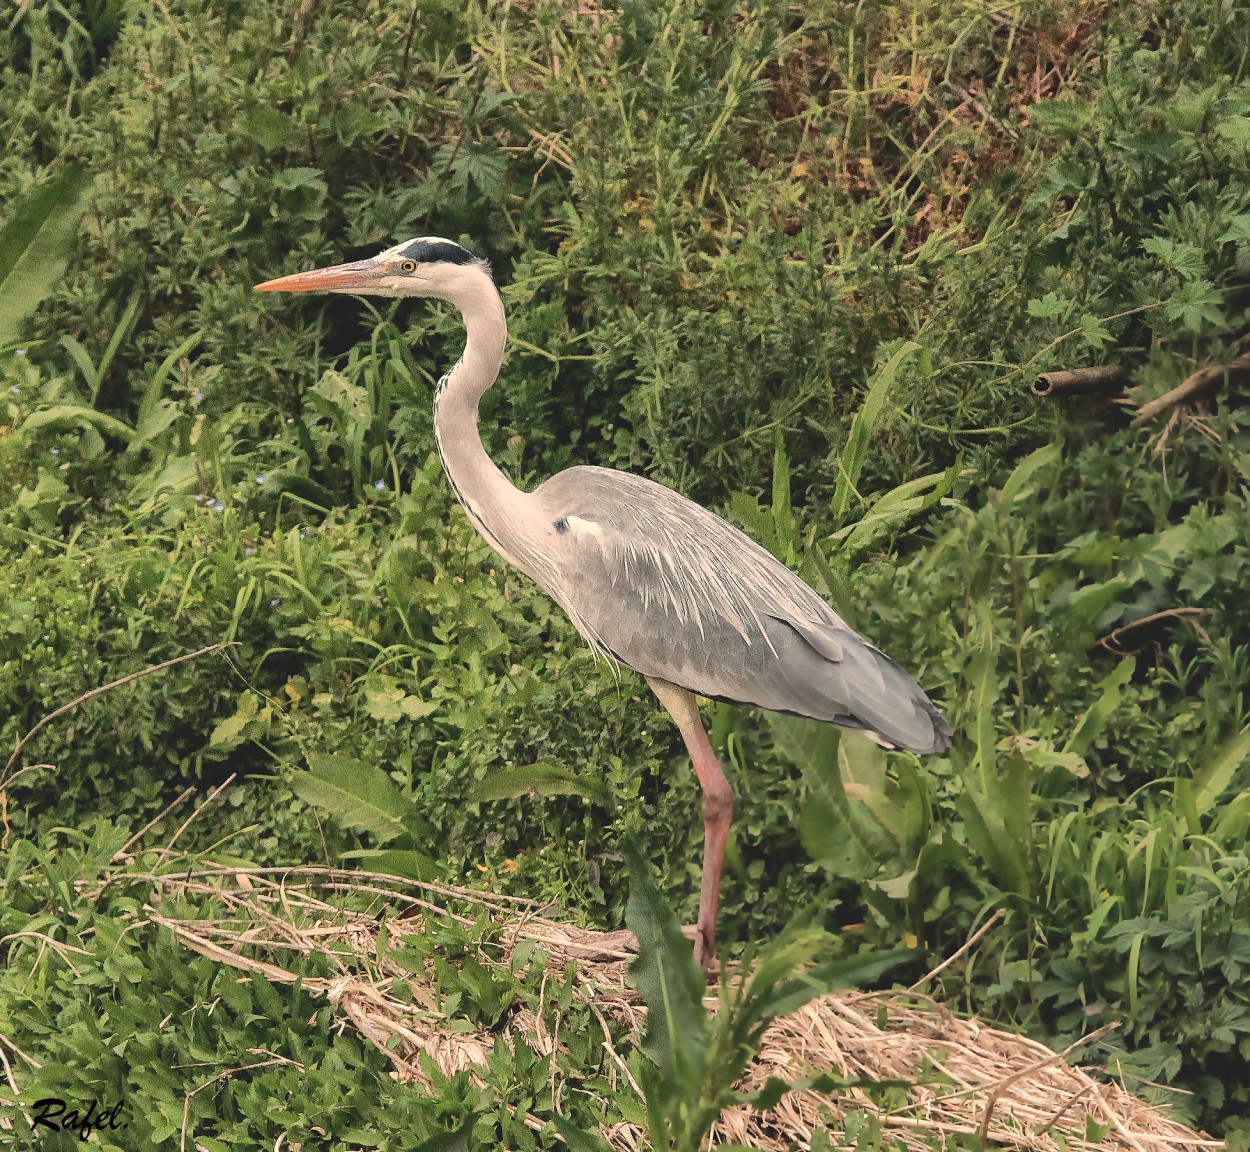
863,425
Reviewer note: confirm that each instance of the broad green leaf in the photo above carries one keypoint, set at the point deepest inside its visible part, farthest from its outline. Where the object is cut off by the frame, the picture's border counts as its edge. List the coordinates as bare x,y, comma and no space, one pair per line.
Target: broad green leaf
983,680
358,796
840,834
783,519
542,780
671,986
1106,701
67,415
36,242
458,1140
755,522
232,731
1017,483
578,1139
1213,778
398,862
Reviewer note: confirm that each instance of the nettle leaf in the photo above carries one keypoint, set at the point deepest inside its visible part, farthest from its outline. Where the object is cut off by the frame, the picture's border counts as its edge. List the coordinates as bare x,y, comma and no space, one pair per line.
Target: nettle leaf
1196,304
1051,306
1181,258
1070,118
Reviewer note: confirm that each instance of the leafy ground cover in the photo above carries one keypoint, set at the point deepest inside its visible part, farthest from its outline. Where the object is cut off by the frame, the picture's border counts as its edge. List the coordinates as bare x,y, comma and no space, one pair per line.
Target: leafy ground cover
801,264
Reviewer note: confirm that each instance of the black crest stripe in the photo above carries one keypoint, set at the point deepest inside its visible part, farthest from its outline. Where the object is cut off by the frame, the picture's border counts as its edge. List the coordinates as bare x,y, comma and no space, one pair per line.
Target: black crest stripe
438,252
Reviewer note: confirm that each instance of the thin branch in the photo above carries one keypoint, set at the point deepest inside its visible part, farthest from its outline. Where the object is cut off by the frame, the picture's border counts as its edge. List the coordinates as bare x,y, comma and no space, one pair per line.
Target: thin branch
88,696
983,1129
117,856
1195,385
961,950
1109,640
207,801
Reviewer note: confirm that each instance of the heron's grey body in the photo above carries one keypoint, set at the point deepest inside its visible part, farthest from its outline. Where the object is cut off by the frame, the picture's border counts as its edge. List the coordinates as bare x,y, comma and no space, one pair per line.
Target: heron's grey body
673,591
650,578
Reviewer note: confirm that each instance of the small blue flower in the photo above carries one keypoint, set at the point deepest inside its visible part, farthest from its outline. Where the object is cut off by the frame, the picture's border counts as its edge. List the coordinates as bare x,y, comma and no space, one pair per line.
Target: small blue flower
302,533
197,394
380,485
20,352
218,506
275,602
260,478
249,551
14,389
55,451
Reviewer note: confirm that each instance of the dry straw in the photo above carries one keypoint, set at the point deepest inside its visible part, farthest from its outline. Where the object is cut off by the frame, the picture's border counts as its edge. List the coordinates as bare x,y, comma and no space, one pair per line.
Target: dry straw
968,1080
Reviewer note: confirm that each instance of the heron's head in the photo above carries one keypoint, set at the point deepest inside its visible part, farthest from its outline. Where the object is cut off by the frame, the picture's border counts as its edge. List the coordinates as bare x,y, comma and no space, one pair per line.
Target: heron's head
429,266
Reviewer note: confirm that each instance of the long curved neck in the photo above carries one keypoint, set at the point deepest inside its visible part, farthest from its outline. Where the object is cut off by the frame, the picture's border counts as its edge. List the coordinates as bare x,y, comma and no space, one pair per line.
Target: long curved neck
493,503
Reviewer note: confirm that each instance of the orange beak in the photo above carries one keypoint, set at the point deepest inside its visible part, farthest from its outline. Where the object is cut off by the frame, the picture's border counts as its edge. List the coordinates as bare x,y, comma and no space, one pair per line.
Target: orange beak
358,276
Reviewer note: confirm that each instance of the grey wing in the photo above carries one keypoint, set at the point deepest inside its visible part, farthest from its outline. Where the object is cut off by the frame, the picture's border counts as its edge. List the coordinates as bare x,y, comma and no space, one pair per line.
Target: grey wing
673,591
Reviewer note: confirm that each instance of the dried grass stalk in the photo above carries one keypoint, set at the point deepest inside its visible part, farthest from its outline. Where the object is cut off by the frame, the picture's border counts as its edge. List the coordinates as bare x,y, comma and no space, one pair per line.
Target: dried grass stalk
967,1079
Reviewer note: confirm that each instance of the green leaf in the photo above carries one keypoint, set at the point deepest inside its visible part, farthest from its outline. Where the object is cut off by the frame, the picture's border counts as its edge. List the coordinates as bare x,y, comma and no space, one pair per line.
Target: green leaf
232,731
268,127
454,1141
671,986
36,243
1016,486
359,796
896,507
1213,778
842,835
1107,700
783,518
755,522
67,415
855,452
576,1138
786,996
542,780
398,862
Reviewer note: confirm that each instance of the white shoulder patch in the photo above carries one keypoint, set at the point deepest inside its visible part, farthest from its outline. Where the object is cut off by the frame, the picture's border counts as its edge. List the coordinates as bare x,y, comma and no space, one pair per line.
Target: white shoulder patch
580,525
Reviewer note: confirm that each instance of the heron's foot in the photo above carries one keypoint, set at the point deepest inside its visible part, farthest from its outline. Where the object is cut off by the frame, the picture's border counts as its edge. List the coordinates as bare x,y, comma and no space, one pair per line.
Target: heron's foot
704,956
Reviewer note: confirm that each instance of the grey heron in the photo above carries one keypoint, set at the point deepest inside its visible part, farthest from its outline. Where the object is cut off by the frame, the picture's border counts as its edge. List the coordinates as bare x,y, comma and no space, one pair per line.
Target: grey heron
649,578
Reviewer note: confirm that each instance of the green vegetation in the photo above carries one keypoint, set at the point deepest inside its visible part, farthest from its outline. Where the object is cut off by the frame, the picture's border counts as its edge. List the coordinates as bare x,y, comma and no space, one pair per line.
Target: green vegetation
801,263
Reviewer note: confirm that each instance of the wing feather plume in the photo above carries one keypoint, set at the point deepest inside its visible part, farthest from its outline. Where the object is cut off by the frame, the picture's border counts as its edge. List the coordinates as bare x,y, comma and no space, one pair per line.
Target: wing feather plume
674,591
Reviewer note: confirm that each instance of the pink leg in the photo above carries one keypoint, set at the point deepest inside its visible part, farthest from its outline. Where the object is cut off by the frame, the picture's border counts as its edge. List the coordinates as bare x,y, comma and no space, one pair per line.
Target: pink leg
718,808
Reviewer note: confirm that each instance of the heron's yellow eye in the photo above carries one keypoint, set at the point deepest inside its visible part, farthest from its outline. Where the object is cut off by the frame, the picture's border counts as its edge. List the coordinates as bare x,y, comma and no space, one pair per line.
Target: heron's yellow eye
408,266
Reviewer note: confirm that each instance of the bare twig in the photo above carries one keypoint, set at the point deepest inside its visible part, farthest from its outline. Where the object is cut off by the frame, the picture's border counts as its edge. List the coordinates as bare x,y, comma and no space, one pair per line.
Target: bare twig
961,950
1109,641
1100,379
207,801
983,1131
1194,386
86,697
121,852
